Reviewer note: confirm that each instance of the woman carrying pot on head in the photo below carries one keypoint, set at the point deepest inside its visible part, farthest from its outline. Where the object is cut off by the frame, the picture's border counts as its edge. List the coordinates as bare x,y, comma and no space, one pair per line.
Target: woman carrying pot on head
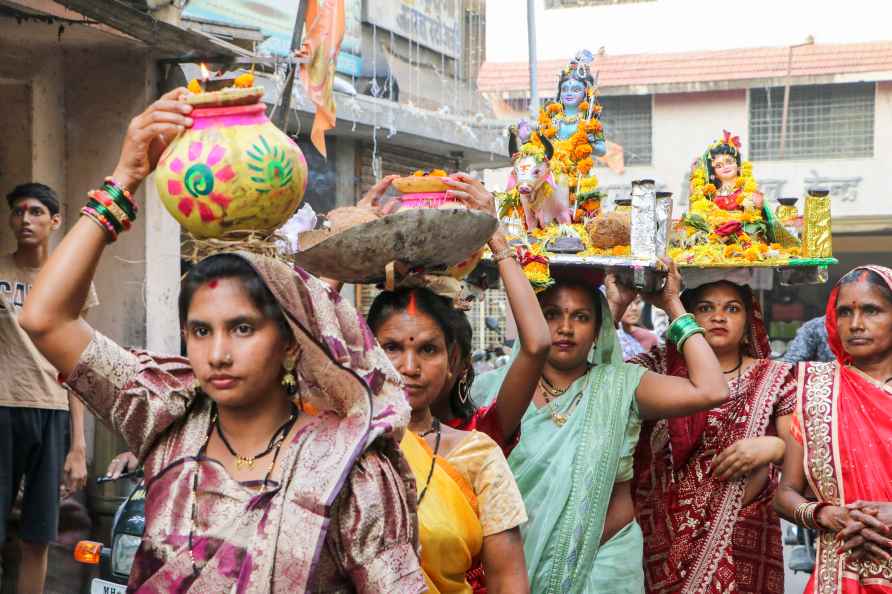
574,460
837,472
704,482
244,493
469,507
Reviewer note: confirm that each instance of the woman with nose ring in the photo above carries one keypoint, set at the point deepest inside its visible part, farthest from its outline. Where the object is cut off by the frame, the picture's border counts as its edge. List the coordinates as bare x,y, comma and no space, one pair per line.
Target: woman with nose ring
837,472
574,460
244,493
704,482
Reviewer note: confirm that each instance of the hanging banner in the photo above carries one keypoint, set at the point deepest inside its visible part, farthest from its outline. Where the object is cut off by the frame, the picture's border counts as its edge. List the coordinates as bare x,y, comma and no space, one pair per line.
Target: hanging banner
435,24
275,18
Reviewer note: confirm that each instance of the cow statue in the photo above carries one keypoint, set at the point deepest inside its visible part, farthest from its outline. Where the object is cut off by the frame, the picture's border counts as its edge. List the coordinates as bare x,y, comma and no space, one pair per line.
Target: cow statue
544,200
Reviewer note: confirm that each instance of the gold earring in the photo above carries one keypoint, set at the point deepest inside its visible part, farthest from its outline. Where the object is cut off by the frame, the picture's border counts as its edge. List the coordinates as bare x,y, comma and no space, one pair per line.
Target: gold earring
288,380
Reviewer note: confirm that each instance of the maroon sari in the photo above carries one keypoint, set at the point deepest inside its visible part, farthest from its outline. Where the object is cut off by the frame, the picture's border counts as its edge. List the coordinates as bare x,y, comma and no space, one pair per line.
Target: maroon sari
698,535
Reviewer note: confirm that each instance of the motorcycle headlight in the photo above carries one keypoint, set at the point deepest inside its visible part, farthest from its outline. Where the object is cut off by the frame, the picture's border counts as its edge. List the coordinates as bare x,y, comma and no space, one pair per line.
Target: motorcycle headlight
123,552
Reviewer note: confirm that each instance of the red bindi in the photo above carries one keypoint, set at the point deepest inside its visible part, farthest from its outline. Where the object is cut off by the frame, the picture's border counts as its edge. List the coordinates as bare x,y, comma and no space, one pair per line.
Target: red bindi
213,283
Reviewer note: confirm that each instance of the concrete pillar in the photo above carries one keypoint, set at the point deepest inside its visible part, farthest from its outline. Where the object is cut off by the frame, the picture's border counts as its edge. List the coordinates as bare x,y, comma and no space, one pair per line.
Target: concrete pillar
346,187
15,150
345,172
48,129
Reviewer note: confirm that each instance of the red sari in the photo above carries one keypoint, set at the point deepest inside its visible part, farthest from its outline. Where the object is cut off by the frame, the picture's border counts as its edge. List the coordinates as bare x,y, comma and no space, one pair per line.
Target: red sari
845,427
698,535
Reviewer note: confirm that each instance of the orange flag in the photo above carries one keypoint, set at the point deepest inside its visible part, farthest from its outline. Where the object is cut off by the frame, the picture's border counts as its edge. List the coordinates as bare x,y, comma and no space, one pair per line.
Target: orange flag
614,159
325,31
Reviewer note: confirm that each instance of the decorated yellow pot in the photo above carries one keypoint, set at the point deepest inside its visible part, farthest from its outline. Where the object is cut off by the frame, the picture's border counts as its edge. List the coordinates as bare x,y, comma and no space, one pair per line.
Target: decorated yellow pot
233,170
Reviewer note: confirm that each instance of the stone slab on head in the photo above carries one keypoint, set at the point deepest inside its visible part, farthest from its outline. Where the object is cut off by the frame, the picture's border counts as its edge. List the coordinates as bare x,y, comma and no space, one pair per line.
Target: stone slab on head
433,239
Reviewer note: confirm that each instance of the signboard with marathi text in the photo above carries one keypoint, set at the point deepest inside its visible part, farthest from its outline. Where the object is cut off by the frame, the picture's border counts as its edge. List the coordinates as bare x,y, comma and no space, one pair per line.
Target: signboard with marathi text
435,24
275,18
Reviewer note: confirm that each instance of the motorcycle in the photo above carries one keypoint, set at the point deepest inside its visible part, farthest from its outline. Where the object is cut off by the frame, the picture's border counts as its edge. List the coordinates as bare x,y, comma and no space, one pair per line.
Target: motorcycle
115,561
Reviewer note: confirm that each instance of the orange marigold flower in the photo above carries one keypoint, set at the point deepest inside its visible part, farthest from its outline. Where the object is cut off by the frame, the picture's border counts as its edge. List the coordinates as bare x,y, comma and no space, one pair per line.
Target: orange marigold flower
621,250
582,151
709,189
585,165
244,81
536,267
738,183
580,214
594,126
418,173
763,248
438,173
554,108
598,108
583,107
548,131
728,251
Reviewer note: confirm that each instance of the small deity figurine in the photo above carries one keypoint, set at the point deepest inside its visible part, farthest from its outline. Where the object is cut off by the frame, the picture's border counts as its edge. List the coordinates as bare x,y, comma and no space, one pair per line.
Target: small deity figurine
730,184
576,108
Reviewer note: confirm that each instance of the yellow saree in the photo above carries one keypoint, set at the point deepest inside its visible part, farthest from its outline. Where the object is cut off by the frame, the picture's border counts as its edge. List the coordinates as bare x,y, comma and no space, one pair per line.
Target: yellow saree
449,524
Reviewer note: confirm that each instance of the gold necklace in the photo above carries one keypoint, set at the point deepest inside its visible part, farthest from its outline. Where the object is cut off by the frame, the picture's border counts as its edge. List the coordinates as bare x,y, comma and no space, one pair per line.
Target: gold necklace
727,189
560,418
551,393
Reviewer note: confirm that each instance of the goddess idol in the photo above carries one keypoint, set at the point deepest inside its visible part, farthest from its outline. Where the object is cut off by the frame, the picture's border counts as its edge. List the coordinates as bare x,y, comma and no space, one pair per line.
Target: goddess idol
726,222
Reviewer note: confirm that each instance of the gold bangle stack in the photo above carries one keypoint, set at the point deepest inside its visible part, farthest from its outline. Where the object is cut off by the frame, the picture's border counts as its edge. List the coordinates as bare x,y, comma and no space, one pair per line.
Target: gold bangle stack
804,515
504,254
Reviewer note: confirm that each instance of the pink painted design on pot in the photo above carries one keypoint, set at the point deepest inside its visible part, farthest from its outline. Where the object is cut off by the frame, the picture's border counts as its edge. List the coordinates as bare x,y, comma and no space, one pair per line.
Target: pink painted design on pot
241,115
185,206
205,212
176,165
225,174
220,199
174,187
195,149
215,155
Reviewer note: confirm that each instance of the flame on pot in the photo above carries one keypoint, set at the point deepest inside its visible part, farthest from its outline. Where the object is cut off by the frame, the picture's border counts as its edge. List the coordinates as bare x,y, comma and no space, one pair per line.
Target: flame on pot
205,73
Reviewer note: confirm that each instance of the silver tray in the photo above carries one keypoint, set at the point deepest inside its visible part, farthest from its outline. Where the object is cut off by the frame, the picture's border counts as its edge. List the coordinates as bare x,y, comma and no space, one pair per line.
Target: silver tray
428,238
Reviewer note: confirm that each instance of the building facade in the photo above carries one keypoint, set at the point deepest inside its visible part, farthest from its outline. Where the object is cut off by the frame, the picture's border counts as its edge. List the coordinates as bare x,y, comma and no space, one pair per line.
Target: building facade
811,114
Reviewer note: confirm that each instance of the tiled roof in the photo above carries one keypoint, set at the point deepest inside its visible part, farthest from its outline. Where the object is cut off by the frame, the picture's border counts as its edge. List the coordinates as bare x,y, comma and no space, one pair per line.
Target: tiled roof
699,67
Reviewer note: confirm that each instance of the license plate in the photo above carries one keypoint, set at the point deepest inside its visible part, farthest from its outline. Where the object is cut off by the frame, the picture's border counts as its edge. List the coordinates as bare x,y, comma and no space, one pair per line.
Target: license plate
98,586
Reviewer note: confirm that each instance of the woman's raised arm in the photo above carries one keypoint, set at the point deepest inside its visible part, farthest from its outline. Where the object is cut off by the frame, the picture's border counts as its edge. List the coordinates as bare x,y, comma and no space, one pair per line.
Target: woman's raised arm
661,396
534,336
51,315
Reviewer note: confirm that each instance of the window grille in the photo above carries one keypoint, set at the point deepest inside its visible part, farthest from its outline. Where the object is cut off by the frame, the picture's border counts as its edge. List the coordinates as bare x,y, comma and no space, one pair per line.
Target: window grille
628,122
823,122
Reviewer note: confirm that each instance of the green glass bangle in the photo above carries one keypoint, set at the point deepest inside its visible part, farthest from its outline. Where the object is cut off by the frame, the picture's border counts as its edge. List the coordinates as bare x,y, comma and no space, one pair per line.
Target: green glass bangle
117,196
680,326
100,208
680,344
